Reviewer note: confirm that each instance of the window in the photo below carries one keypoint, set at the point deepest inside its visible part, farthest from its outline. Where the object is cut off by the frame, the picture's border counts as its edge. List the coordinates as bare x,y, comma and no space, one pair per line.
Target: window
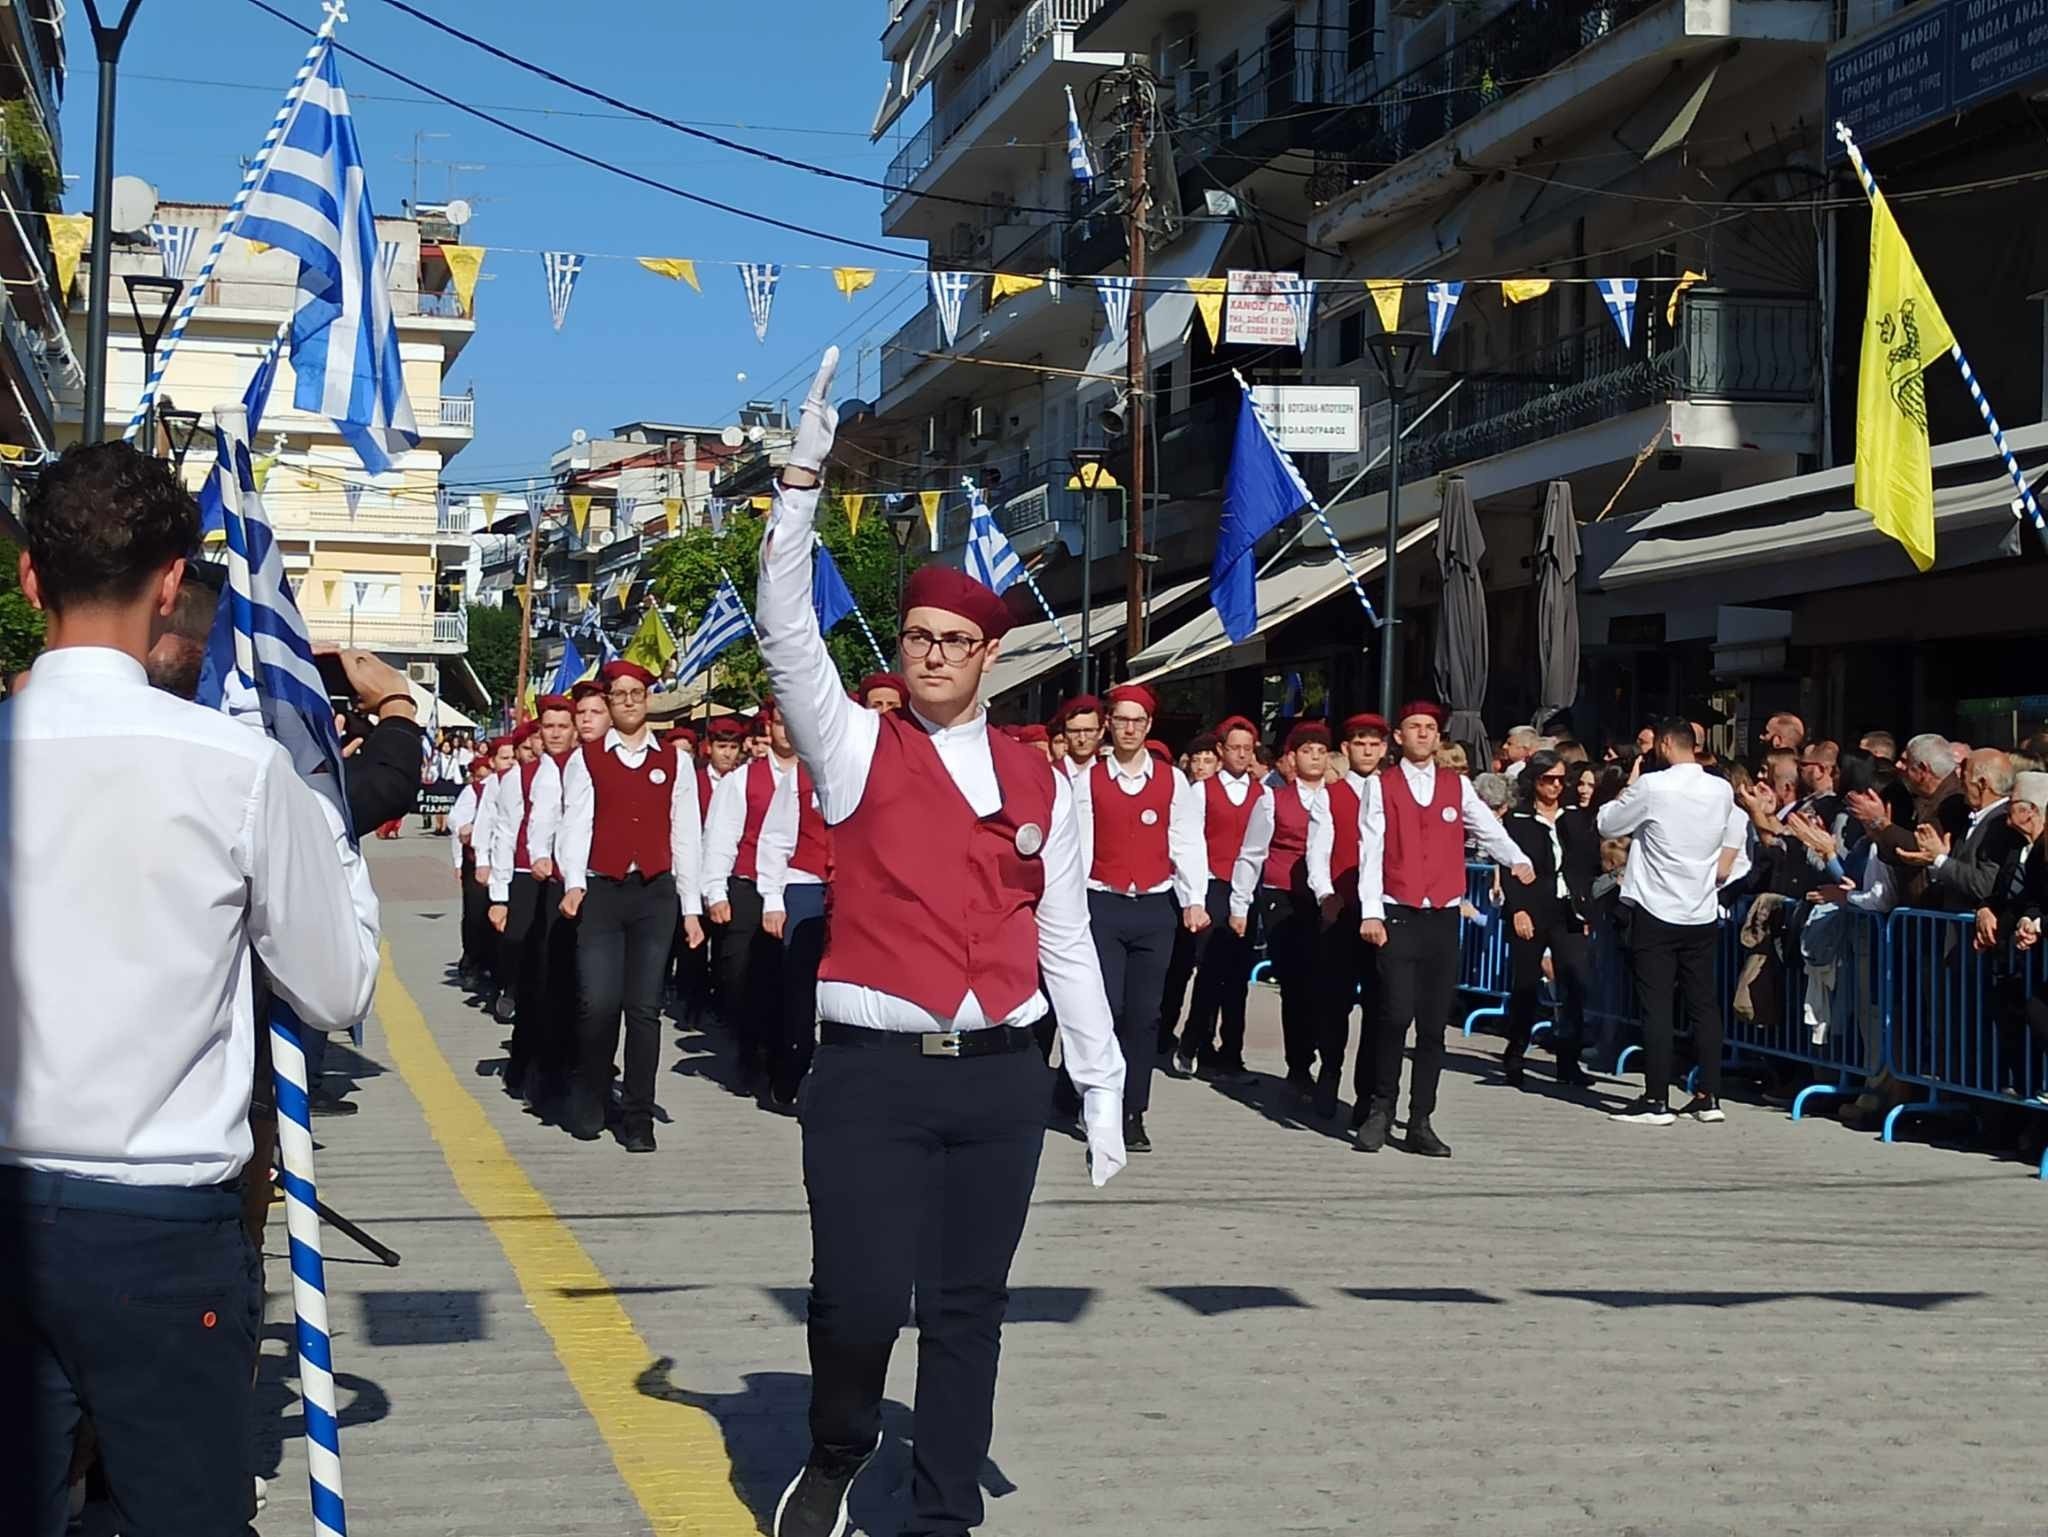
1280,66
1361,36
1226,95
1351,337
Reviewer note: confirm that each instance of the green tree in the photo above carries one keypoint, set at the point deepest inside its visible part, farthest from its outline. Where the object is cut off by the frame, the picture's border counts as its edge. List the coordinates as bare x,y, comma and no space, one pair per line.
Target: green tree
21,624
686,571
494,649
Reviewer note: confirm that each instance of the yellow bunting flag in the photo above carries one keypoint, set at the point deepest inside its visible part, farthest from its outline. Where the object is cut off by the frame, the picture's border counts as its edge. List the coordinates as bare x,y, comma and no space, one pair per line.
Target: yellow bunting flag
259,471
672,508
681,268
625,592
1386,298
579,513
1522,290
490,500
652,646
1903,332
1686,280
328,588
1008,283
929,501
529,707
583,594
13,451
762,503
70,233
855,502
464,263
524,593
1209,295
851,280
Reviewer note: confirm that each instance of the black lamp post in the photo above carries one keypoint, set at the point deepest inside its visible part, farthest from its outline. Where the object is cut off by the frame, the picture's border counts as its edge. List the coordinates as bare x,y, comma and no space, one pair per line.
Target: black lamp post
1397,353
180,428
903,523
152,299
106,42
1091,478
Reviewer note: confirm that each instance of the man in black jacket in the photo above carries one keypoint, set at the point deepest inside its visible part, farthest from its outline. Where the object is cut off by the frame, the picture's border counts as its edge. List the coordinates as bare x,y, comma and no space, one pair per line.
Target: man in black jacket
1962,871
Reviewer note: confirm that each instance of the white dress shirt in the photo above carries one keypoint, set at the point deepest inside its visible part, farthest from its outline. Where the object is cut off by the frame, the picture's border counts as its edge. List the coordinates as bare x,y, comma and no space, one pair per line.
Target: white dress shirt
508,809
1322,836
836,739
483,833
1481,826
1185,850
773,850
544,821
149,847
1258,839
579,821
1315,800
725,824
1679,819
461,815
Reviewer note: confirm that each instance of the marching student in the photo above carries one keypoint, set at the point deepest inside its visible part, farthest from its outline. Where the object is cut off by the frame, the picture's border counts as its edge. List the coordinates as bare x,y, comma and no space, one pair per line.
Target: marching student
794,865
628,857
883,691
1290,903
1037,738
504,812
1411,886
1141,826
591,711
1080,724
524,902
499,756
958,884
1350,964
474,969
1198,762
1237,833
755,745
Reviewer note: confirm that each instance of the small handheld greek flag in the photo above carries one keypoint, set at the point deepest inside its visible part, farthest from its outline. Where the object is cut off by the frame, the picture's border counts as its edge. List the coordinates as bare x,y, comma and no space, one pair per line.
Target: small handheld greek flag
1077,145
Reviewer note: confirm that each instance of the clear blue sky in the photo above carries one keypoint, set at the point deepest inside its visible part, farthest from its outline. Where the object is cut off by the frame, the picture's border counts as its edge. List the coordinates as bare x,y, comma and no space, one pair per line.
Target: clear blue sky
201,80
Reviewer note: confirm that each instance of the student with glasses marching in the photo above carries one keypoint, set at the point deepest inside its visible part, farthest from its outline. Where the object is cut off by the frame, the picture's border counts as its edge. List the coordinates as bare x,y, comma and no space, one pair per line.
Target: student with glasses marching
958,889
1141,829
628,856
1550,914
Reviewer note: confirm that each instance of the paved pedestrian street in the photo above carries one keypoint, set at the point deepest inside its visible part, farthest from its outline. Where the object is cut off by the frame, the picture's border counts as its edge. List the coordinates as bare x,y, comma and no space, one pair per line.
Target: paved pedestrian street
1573,1326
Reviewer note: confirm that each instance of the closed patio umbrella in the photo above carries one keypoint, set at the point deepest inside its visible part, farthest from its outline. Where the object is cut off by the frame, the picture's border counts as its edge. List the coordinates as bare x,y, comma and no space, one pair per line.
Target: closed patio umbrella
1557,602
1461,642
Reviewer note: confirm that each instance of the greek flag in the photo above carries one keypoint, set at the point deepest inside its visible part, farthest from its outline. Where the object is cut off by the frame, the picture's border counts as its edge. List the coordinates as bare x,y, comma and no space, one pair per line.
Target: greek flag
214,495
313,200
563,268
1620,297
1443,304
1077,145
760,279
991,560
174,243
724,622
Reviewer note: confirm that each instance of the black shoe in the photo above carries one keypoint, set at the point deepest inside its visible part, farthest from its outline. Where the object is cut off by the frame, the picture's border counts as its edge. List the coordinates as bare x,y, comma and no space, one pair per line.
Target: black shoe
505,1009
1373,1130
1303,1085
1511,1072
514,1079
1184,1063
1705,1109
320,1102
1135,1140
814,1504
1324,1108
584,1120
637,1141
1423,1140
1644,1111
1571,1076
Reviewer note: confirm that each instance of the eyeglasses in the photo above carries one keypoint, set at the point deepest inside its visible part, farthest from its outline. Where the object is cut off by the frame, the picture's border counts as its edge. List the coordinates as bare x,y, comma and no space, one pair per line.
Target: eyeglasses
627,695
954,648
1550,779
1130,720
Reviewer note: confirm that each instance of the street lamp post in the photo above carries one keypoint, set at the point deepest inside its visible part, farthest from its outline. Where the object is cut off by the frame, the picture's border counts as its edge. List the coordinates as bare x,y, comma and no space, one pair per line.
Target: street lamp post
151,300
180,428
1091,477
106,43
1397,353
903,523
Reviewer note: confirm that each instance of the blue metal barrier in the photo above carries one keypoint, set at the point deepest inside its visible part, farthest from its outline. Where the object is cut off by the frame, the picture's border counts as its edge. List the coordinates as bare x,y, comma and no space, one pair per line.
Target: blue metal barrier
1483,967
1831,1017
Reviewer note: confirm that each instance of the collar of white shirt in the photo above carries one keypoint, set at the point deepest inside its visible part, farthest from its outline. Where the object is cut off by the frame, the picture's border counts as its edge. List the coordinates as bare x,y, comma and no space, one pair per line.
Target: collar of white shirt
1998,805
100,662
970,729
1422,773
614,742
1142,773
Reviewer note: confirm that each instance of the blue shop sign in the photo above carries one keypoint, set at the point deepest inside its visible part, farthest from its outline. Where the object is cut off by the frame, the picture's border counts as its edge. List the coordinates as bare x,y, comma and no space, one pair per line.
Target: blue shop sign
1936,60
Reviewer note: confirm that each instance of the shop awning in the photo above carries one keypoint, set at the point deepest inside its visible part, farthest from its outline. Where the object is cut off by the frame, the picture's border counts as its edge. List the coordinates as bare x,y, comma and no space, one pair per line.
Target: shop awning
1032,650
437,714
1283,593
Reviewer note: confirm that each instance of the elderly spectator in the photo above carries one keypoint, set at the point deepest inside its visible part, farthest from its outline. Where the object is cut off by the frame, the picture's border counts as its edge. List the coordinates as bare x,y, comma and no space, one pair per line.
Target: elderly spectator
1452,756
1927,769
1963,870
1493,789
1784,732
1883,746
1514,752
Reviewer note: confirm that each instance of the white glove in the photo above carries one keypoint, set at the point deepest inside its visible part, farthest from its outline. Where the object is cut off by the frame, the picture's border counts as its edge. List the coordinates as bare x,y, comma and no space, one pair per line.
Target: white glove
1102,1112
819,422
239,701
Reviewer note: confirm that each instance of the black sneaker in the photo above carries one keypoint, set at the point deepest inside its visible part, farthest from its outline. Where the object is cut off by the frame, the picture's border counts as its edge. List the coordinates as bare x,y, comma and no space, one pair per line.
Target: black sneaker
1705,1109
641,1141
1511,1069
1135,1140
1644,1111
814,1504
1184,1063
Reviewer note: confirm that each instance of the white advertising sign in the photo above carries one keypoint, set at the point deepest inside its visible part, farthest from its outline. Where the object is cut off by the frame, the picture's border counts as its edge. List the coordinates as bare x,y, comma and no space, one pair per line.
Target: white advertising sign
1313,418
1258,314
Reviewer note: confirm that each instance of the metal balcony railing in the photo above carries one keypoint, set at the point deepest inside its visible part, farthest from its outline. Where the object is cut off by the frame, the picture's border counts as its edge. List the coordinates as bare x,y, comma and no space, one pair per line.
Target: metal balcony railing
374,513
457,411
388,632
1270,99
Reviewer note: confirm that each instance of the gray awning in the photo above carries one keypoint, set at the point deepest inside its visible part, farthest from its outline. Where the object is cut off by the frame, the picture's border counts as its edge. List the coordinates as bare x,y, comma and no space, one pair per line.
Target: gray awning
1032,650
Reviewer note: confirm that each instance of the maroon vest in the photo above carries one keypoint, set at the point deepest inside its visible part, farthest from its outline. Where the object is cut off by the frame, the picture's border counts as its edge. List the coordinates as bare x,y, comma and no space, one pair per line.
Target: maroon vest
1130,853
1224,824
1424,860
705,785
932,901
813,854
760,788
630,829
1345,807
1287,860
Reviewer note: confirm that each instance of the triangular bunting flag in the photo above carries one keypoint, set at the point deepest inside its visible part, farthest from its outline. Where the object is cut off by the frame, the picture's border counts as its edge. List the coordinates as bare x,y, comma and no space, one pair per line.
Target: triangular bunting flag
1300,293
626,592
174,243
562,269
681,268
583,594
464,263
761,503
328,588
623,508
70,233
1620,297
851,280
1522,290
855,503
1116,302
258,247
948,289
490,500
759,279
352,493
1686,280
673,507
1386,298
714,514
579,513
1443,303
929,501
259,470
387,258
1008,283
1209,295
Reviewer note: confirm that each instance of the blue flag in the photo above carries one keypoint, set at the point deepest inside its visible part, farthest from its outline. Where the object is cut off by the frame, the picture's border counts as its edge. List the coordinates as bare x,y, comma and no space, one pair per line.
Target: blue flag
1263,491
830,595
571,671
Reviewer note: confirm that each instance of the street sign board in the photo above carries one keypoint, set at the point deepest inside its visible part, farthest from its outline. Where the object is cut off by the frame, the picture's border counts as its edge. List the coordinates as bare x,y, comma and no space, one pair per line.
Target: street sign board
1939,59
1259,313
1313,418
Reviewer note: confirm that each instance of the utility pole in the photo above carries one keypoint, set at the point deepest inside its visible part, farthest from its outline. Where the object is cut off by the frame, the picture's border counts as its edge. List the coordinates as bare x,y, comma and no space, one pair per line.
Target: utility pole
526,608
1138,104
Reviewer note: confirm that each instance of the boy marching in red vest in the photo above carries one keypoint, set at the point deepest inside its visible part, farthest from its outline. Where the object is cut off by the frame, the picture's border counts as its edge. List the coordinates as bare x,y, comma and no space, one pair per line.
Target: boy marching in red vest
525,902
1352,964
1237,833
794,868
628,853
958,882
1411,883
883,691
1141,824
1291,899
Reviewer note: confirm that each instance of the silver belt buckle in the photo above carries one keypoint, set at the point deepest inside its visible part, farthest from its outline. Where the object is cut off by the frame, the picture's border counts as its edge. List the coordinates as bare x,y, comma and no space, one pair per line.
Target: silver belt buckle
943,1044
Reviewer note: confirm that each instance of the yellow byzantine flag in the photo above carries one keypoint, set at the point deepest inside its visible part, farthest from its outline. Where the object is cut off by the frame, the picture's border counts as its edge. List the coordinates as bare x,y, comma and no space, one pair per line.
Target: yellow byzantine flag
69,235
680,268
1522,290
1386,298
1209,295
1007,284
929,501
854,501
672,509
851,280
579,513
652,646
1903,332
464,263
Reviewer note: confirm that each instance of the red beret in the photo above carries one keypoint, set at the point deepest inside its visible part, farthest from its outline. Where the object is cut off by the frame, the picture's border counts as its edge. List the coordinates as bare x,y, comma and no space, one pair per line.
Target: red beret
1159,750
1428,707
875,680
1231,723
726,728
1307,733
497,742
1137,694
589,688
1368,721
548,702
611,672
765,711
1080,704
526,732
1033,733
955,592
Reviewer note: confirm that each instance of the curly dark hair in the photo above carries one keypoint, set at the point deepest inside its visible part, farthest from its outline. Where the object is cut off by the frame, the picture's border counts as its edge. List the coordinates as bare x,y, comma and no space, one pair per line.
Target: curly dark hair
102,521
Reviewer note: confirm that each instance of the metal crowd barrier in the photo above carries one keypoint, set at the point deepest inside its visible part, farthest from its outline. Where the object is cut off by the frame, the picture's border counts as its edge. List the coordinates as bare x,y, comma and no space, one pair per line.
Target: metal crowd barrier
1483,967
1828,1016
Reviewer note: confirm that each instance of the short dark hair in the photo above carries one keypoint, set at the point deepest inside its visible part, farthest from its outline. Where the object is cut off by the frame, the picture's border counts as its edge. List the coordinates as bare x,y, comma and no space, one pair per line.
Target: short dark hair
102,521
1201,742
1676,728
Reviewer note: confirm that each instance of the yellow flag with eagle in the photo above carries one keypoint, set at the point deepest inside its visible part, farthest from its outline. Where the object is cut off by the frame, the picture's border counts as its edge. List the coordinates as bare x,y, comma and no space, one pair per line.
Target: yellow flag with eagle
1903,332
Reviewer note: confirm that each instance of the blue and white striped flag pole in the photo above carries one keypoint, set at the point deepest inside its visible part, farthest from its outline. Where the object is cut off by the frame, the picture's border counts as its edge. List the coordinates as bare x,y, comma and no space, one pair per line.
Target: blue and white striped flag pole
2023,504
337,11
1314,506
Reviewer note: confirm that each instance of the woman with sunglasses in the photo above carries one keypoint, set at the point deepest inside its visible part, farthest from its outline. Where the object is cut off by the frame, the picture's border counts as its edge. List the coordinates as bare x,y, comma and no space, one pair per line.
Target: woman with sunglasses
1550,913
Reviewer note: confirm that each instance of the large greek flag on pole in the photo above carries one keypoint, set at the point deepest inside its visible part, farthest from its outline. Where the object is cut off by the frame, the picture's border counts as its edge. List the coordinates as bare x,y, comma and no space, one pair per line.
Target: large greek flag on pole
725,621
313,200
991,559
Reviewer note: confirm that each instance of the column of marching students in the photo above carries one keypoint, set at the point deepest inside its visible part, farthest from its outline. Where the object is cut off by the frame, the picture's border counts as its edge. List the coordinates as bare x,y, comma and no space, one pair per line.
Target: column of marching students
608,869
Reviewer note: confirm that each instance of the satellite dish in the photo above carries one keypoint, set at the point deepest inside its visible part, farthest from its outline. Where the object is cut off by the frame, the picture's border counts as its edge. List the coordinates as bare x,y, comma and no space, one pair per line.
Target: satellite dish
134,205
579,436
599,538
733,436
756,433
459,212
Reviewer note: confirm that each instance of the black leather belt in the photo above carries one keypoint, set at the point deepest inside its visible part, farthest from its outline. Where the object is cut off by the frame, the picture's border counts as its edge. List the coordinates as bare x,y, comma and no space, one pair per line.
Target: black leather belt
942,1043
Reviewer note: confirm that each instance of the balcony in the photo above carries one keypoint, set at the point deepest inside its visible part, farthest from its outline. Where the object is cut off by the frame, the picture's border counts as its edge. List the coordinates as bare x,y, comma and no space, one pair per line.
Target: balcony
1267,101
377,514
391,632
457,413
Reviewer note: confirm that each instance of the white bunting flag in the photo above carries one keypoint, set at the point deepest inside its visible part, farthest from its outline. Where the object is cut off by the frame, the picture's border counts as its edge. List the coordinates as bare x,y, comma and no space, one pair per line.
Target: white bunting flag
1443,304
562,268
1116,302
1300,293
352,493
1620,294
387,258
760,279
174,243
948,289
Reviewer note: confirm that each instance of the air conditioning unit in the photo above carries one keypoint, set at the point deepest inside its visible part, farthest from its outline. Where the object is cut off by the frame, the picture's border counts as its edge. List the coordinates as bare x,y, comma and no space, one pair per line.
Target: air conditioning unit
426,674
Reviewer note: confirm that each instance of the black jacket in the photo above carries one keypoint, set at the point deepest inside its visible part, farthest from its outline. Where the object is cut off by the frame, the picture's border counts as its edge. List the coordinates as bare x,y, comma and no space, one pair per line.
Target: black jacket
1580,841
383,776
1969,877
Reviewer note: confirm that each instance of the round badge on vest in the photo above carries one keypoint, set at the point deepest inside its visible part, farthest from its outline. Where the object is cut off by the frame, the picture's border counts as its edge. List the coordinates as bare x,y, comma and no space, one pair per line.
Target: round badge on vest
1149,817
660,776
1030,839
1450,813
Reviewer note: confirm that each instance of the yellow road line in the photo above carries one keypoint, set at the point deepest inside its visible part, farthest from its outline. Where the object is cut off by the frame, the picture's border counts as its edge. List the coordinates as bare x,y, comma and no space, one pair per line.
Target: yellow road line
671,1455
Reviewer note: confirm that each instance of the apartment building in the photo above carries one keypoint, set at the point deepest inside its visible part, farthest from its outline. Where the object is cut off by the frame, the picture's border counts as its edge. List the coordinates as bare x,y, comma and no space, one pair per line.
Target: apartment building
36,355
